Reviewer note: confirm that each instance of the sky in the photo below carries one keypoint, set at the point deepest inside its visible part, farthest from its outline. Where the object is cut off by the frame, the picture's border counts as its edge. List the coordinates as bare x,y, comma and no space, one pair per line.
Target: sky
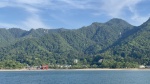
70,14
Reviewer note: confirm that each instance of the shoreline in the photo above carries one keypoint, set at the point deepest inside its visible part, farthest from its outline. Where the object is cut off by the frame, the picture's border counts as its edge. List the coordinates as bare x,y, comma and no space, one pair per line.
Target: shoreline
88,69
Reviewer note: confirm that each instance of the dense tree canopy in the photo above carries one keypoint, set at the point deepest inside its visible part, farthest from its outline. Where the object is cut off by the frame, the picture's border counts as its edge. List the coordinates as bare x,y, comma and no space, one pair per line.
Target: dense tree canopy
114,44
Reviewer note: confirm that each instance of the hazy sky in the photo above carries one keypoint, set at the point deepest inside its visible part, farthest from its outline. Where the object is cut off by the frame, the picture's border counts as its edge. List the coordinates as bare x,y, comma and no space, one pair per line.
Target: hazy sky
71,14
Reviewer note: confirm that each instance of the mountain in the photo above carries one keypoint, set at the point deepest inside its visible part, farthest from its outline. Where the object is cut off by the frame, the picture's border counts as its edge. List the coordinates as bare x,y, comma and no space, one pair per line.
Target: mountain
134,48
105,34
116,43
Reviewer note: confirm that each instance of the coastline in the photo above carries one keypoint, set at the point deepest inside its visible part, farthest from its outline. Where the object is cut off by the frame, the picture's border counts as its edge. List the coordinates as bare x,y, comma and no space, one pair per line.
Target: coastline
88,69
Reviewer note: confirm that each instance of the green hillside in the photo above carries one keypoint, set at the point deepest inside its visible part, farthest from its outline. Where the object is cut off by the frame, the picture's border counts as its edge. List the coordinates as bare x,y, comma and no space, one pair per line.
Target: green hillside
114,44
133,49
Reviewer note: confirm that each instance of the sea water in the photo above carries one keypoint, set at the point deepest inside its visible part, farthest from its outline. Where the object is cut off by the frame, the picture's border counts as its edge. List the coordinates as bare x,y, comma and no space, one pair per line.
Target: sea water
76,77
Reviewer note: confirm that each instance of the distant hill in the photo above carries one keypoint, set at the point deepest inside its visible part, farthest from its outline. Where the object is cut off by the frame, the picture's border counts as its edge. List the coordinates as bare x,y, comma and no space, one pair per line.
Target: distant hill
116,43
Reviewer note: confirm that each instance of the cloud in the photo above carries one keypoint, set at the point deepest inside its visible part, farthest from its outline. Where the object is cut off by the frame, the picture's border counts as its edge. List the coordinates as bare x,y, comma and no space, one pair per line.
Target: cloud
29,1
114,8
136,18
32,7
98,8
19,4
31,22
77,4
110,8
4,4
34,21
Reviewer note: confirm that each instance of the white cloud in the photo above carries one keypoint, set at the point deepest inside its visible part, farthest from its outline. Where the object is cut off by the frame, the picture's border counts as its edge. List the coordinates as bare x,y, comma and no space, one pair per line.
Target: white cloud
78,4
111,8
31,22
114,8
34,21
136,18
4,4
36,3
32,7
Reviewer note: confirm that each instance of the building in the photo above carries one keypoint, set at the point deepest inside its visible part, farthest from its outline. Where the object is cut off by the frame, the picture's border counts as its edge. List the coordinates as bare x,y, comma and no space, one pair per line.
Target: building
44,67
147,67
75,61
141,66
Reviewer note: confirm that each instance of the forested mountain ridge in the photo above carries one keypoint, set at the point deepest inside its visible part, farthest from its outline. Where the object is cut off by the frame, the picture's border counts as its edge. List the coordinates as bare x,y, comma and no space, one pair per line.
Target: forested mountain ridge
134,48
88,44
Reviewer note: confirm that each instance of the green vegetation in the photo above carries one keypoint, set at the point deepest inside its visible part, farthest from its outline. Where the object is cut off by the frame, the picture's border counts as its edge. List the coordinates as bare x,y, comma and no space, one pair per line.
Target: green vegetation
11,64
114,44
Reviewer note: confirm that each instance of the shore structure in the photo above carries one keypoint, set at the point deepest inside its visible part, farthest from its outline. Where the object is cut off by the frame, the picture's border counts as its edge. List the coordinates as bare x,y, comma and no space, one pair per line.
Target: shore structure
87,69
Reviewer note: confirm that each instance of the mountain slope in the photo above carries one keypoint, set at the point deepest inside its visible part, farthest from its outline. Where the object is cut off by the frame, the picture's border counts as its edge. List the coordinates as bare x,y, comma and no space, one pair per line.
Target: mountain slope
135,47
116,42
5,37
104,35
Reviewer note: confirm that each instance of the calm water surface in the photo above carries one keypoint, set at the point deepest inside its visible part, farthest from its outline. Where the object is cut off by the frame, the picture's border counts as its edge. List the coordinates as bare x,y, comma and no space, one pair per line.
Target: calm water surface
76,77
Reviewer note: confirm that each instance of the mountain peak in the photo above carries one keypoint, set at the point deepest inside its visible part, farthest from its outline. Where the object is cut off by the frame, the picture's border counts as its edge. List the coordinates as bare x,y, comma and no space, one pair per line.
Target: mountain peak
96,24
117,21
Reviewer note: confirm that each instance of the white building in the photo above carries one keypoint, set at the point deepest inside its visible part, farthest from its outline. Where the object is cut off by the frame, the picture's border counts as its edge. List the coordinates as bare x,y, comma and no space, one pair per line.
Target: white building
75,61
141,66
